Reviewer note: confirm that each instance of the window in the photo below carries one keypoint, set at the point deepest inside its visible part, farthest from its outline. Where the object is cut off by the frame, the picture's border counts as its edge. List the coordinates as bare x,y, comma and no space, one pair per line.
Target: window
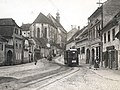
16,31
20,46
104,37
20,32
1,46
16,45
38,32
108,36
113,34
45,34
78,49
83,50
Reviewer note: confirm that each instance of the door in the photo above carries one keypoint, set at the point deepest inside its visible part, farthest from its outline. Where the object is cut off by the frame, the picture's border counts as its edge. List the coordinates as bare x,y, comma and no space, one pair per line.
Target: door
9,58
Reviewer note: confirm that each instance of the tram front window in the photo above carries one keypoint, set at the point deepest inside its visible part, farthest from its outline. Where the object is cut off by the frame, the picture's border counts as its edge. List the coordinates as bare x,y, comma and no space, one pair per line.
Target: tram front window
73,54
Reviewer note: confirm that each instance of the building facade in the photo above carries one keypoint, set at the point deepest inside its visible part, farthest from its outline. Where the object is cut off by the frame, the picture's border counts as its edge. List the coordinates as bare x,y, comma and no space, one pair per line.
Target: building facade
111,43
94,28
3,42
12,32
43,31
82,45
61,33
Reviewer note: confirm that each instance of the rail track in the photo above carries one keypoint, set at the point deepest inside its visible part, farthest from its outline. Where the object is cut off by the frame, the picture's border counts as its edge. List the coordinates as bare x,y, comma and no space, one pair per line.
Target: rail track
56,75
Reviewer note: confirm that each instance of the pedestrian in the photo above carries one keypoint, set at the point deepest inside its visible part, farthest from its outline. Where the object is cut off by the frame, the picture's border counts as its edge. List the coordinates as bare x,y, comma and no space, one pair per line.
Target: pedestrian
96,63
49,57
35,58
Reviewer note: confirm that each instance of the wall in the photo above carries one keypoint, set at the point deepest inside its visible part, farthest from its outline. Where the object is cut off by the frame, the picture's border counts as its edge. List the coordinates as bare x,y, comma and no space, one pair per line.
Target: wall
111,43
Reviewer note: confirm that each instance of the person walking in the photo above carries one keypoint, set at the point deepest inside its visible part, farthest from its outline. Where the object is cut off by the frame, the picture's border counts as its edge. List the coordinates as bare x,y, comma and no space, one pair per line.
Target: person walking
96,63
35,58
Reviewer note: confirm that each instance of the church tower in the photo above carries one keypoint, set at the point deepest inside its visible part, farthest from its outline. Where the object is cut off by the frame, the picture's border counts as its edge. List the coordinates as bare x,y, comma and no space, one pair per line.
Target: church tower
58,16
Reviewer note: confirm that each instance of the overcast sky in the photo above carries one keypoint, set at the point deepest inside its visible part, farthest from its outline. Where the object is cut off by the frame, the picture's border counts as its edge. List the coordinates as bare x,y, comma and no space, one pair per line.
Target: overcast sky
72,12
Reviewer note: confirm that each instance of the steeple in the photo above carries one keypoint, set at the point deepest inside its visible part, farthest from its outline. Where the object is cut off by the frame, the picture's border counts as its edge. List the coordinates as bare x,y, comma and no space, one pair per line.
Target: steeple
58,16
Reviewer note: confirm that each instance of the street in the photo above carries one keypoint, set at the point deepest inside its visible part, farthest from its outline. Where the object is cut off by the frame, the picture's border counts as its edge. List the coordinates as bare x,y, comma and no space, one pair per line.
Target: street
54,75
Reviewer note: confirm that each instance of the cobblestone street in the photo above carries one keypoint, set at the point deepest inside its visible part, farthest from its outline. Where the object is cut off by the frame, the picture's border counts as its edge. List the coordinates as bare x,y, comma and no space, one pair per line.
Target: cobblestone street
80,78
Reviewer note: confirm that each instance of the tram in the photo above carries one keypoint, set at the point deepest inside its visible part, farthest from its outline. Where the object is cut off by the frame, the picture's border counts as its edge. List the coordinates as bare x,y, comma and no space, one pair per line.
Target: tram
71,57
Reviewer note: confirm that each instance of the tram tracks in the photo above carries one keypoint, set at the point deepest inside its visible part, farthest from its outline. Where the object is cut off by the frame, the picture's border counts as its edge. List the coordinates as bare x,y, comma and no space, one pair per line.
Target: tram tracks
63,72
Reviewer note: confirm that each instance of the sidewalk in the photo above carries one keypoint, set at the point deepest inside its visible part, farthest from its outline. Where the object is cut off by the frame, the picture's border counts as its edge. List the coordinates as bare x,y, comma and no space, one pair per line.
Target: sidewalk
103,72
107,73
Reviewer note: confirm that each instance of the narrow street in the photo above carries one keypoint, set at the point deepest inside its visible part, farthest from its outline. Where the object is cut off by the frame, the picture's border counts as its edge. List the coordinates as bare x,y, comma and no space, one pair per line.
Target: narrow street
55,75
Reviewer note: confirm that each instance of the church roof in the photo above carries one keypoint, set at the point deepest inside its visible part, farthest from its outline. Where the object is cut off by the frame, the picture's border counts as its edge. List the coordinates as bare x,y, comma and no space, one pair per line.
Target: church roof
43,19
56,23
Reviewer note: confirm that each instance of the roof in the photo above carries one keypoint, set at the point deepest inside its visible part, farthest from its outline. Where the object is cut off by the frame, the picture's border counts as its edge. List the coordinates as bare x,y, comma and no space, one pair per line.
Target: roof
7,22
71,33
113,22
85,30
97,12
42,42
43,19
56,23
3,39
75,35
7,26
25,27
6,31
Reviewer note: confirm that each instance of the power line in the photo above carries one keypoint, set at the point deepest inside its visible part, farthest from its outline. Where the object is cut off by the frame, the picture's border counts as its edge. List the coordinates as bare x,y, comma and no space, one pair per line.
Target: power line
53,4
58,10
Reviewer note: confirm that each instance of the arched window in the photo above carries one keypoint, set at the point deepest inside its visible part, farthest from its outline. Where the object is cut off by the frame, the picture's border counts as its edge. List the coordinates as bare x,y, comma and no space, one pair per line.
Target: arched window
38,32
45,34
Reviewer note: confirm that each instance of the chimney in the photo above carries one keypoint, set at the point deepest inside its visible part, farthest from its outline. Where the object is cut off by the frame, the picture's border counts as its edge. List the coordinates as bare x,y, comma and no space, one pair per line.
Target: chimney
58,16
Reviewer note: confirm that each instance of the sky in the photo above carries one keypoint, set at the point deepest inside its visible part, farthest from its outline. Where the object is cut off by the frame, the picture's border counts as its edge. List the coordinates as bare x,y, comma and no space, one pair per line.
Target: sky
72,12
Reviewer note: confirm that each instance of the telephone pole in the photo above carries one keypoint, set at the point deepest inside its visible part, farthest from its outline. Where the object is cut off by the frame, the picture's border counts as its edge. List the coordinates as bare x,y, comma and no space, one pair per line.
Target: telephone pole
101,44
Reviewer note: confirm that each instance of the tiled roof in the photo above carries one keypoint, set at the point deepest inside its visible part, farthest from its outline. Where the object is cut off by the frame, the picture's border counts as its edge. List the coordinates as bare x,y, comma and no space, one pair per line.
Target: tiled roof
25,27
71,33
7,26
7,22
6,31
56,23
74,36
43,19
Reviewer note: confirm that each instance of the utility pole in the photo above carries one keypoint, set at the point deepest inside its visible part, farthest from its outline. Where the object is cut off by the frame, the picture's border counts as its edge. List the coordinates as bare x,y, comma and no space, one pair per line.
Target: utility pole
100,3
101,44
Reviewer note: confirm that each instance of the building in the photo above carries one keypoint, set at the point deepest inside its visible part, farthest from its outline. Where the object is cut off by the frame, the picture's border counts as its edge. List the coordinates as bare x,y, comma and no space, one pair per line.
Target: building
71,32
26,30
61,33
42,32
13,34
95,24
111,45
26,43
3,43
110,9
82,45
71,43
